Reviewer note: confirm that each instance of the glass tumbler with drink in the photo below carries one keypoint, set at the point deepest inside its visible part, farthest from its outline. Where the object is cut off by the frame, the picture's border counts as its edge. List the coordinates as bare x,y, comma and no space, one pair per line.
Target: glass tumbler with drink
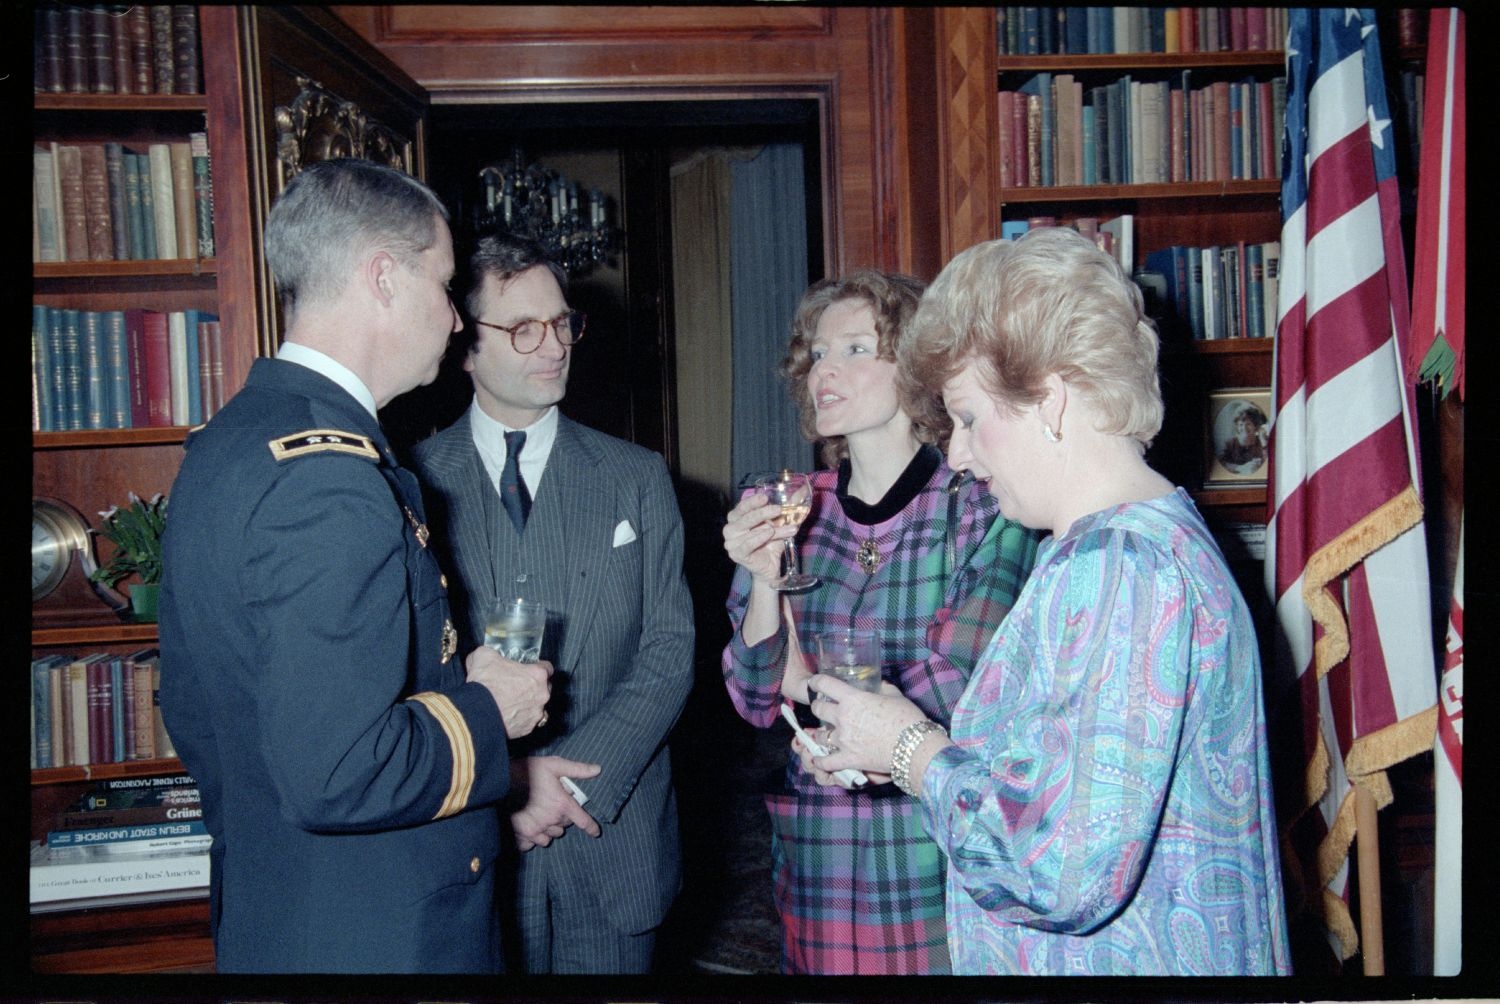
851,655
515,628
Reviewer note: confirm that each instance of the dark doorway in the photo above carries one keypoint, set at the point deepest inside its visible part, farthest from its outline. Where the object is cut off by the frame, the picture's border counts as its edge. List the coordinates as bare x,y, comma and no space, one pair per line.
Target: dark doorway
623,382
622,379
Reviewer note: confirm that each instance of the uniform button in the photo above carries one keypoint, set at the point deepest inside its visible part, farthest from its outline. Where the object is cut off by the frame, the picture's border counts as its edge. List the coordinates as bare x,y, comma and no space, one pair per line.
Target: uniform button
474,865
443,580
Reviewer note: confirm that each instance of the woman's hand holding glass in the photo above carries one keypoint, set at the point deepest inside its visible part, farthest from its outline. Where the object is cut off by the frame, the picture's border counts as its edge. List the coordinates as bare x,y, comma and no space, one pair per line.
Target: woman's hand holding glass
791,493
753,540
864,727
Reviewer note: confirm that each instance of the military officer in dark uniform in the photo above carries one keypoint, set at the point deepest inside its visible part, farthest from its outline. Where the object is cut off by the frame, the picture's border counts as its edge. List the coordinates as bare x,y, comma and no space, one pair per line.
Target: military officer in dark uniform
349,762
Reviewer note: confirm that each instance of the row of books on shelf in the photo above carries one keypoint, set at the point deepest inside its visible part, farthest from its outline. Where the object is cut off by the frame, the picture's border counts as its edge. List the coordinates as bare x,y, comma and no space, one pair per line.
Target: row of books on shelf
109,202
129,839
1210,293
1040,31
96,708
1056,131
1115,236
117,49
124,369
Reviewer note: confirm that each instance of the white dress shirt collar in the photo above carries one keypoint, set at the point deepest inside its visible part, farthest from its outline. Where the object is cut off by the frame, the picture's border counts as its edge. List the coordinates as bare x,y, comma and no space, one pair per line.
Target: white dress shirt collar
489,440
319,362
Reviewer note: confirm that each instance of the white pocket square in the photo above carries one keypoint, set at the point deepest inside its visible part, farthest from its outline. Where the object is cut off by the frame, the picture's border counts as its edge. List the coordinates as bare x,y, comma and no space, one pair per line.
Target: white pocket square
624,533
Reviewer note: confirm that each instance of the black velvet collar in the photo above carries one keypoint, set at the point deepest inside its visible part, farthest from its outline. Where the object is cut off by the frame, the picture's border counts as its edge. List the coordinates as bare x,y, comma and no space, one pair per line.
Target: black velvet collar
911,481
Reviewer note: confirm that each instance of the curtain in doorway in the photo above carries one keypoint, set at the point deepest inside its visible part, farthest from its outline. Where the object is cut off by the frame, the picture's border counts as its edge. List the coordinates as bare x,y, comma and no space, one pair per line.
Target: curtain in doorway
700,197
768,274
739,264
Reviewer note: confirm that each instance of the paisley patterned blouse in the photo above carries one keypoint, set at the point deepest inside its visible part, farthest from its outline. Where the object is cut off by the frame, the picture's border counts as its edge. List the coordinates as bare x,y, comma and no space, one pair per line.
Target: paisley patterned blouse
1106,808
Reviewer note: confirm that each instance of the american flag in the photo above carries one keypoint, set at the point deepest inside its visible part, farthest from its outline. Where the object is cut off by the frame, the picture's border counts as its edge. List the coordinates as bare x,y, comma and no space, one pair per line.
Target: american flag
1346,558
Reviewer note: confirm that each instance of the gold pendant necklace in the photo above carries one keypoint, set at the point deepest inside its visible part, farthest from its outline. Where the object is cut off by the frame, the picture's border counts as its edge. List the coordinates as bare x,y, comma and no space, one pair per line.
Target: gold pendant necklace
869,555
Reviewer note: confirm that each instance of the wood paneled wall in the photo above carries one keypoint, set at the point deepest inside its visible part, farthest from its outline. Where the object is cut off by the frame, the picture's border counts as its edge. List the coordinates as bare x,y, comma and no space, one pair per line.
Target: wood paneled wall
870,69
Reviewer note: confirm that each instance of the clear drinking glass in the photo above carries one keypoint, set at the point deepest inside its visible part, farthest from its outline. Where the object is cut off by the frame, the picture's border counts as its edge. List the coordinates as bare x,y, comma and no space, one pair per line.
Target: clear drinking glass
851,655
515,628
793,494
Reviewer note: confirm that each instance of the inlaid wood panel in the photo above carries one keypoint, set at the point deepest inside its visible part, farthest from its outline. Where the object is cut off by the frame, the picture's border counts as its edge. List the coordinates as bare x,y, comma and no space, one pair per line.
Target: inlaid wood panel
968,178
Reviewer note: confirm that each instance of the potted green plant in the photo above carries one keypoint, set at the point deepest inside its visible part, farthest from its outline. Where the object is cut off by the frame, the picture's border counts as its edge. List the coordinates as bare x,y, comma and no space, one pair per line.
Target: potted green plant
135,531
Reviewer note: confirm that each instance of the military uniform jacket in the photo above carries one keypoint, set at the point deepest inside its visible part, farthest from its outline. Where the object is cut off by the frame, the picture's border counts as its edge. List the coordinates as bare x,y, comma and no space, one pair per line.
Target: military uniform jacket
311,685
603,544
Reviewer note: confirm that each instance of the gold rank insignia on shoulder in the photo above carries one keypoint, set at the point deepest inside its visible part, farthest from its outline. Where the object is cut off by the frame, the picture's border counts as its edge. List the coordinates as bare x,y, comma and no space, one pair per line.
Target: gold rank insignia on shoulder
450,639
310,441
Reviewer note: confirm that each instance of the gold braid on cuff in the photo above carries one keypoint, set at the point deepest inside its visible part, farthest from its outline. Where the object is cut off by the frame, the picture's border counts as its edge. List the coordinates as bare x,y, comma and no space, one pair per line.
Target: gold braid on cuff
907,742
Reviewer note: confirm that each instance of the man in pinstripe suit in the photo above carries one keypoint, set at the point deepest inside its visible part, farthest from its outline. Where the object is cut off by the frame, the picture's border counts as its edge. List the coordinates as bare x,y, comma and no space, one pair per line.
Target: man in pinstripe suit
587,524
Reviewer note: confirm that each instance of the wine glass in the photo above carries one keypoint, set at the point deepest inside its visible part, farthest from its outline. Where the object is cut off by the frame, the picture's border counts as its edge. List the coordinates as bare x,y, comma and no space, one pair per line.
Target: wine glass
792,493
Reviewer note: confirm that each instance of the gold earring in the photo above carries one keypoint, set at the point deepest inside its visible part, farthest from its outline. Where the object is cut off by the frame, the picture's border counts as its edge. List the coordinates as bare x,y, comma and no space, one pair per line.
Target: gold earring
1052,437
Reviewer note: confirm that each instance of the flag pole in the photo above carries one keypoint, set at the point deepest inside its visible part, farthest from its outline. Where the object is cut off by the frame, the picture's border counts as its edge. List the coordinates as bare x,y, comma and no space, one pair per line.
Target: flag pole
1371,925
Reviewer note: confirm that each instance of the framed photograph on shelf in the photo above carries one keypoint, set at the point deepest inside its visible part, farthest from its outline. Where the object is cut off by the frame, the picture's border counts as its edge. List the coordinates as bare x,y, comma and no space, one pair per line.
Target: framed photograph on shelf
1237,428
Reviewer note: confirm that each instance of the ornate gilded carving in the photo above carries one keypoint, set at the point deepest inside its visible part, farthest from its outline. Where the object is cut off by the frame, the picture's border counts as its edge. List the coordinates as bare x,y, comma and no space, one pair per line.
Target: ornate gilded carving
319,125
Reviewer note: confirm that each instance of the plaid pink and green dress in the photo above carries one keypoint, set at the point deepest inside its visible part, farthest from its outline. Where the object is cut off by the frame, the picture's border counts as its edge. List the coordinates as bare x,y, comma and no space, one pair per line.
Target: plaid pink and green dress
857,881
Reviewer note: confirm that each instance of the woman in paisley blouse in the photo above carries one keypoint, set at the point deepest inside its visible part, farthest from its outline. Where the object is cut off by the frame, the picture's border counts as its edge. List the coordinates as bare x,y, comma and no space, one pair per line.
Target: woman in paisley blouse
1104,800
899,544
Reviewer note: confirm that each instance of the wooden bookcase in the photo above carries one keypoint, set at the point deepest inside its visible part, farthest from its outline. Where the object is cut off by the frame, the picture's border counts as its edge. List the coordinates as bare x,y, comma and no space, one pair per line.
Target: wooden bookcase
91,470
1194,214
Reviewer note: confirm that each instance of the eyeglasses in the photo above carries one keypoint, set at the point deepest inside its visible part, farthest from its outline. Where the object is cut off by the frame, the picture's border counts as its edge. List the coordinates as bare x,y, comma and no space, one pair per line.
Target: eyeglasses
528,336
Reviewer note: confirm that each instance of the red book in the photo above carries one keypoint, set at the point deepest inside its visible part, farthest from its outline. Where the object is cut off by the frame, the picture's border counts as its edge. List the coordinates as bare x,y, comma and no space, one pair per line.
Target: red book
1187,29
204,376
141,62
1007,152
1219,92
1255,28
1239,32
158,355
1265,121
1021,176
101,711
135,348
216,354
99,231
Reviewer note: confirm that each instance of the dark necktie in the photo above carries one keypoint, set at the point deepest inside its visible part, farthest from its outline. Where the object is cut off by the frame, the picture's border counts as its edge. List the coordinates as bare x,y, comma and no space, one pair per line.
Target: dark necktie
513,493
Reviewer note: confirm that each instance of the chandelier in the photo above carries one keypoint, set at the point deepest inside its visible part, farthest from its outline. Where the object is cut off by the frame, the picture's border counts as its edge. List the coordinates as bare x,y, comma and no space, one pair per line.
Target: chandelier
535,201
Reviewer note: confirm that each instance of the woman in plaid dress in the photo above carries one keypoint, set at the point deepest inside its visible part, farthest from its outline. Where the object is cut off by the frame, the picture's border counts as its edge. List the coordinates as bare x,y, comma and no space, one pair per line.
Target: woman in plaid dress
900,544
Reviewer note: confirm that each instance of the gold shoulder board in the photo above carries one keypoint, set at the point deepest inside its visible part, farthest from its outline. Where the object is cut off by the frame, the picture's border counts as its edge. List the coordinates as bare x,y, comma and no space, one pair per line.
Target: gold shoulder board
301,444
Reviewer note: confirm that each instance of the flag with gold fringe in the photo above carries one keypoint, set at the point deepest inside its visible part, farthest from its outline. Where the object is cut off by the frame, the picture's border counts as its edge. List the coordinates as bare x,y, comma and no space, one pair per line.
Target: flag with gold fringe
1346,558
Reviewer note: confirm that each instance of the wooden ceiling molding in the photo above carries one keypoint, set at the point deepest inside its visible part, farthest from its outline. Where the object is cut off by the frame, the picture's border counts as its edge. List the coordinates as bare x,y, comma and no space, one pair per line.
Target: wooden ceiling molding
848,59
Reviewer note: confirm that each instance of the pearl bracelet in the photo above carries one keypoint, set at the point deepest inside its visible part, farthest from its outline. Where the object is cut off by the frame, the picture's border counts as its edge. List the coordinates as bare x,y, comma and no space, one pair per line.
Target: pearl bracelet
907,742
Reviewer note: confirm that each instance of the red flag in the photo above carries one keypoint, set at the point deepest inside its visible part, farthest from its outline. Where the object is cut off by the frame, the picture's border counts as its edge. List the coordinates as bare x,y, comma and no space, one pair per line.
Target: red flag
1447,899
1437,347
1346,558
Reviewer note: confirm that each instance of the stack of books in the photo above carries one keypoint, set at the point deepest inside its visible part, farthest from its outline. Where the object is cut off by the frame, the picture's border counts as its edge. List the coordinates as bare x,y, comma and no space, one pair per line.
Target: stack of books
125,840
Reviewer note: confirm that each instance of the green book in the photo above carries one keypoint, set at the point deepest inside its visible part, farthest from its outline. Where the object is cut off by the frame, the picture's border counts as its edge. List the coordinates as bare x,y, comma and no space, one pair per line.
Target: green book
43,419
95,394
148,207
135,229
72,355
117,371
